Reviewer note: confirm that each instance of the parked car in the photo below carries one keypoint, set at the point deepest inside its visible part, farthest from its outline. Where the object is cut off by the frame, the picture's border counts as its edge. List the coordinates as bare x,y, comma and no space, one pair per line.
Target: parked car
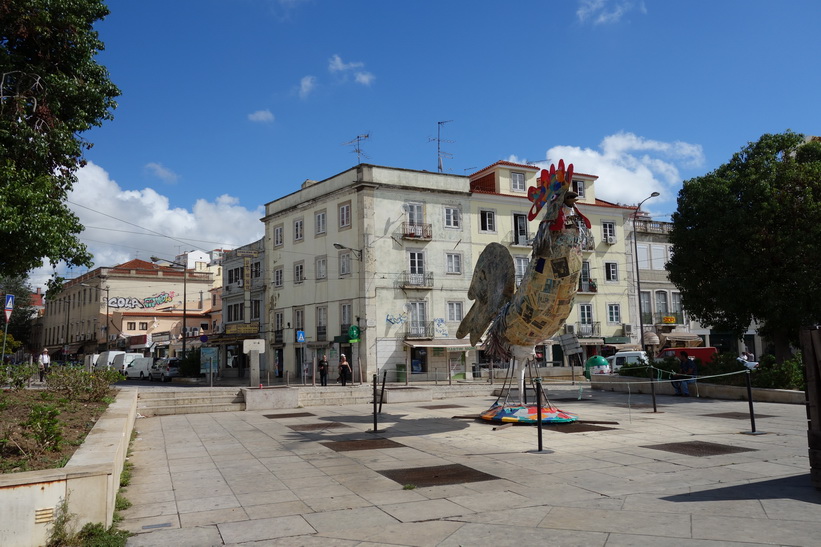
627,358
164,369
139,368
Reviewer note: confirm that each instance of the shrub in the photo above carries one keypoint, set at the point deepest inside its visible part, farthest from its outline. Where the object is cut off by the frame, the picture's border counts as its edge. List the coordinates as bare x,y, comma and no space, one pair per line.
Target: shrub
76,383
18,376
44,427
190,365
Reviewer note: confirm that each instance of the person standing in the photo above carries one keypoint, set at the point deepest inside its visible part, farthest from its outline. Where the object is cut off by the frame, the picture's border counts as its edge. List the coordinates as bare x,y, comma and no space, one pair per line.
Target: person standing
43,363
687,374
323,370
344,369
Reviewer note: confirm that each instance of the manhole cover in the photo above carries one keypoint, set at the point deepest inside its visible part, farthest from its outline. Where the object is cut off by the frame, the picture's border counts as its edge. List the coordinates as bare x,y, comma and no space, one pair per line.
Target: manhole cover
437,475
576,427
288,415
316,427
737,415
436,407
699,448
363,444
636,405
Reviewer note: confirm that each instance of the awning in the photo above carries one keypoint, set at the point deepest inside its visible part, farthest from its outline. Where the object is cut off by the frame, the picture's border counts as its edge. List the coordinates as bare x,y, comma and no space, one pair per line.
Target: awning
448,343
624,347
591,341
73,348
651,338
680,336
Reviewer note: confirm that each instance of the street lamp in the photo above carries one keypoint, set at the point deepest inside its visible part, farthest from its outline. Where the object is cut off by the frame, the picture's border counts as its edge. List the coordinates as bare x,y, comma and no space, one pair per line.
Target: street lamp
638,279
184,296
356,252
106,289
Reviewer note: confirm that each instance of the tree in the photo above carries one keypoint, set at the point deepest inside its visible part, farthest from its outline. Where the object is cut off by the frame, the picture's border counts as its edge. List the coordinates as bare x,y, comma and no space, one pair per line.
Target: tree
745,240
21,315
51,91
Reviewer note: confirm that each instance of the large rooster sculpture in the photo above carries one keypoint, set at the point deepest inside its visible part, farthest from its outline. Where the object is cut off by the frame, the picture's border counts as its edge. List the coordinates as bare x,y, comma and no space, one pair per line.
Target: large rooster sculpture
521,318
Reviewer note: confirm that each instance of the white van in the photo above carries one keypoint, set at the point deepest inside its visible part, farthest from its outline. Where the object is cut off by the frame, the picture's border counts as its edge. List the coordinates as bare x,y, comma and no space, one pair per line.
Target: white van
138,368
90,361
627,359
106,359
121,361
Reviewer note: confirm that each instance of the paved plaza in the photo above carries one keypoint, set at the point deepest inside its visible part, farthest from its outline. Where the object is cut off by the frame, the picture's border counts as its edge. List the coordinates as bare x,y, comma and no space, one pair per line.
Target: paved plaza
689,474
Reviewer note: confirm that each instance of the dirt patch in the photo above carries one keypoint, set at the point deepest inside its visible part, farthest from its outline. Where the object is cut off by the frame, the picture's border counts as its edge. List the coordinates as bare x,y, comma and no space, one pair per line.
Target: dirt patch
19,449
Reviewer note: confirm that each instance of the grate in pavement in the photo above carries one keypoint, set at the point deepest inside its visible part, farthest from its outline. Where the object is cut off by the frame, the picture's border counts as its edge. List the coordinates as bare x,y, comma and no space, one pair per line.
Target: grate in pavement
699,448
737,415
317,427
575,427
437,475
436,407
288,415
362,444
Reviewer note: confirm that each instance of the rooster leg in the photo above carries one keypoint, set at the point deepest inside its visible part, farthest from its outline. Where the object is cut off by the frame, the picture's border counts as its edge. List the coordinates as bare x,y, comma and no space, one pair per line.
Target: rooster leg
520,356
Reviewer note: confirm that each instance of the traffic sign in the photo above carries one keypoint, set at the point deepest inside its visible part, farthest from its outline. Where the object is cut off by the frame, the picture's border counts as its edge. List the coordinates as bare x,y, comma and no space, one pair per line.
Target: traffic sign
9,306
300,336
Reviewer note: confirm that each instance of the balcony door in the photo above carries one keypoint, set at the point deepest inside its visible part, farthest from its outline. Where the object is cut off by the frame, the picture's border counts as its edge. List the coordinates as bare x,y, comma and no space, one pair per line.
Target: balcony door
415,219
520,229
416,268
418,318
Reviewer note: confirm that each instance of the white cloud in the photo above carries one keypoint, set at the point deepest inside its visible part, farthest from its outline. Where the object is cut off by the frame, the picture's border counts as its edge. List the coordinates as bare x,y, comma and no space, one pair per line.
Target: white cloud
162,172
630,167
603,12
112,217
261,116
364,78
335,64
306,85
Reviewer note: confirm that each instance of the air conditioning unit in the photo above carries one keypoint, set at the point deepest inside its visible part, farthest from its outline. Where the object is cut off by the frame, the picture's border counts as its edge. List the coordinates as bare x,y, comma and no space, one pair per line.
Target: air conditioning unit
627,329
240,283
228,288
610,240
570,329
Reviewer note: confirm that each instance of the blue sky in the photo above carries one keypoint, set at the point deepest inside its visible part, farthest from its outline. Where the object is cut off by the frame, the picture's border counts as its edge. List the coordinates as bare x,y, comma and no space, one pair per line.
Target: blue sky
229,104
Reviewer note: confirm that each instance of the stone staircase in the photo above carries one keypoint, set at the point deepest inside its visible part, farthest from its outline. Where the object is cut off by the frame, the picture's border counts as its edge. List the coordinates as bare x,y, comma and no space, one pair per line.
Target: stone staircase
164,402
335,395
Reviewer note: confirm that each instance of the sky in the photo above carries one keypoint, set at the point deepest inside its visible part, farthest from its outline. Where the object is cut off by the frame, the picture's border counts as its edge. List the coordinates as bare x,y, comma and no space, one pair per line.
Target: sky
229,104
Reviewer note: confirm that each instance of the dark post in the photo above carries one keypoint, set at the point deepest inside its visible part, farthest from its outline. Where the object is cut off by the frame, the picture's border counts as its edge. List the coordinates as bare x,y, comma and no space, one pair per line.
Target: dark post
750,399
652,388
539,409
375,378
382,398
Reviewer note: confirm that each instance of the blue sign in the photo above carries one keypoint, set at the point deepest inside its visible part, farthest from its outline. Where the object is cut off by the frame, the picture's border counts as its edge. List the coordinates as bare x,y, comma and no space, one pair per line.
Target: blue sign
9,301
300,336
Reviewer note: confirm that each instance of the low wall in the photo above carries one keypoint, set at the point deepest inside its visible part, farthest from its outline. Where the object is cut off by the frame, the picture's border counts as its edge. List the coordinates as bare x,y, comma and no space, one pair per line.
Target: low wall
615,382
270,398
90,479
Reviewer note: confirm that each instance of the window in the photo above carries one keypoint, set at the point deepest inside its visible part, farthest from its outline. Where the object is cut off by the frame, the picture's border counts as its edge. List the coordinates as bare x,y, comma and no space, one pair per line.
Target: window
608,231
321,267
131,325
417,324
644,256
661,303
520,235
521,268
676,305
454,263
235,274
586,314
322,322
345,215
454,311
299,318
452,217
236,312
611,271
416,262
299,272
255,307
416,215
613,313
299,227
278,277
256,269
646,308
517,182
578,187
143,325
320,223
487,221
278,236
279,320
345,263
659,256
346,313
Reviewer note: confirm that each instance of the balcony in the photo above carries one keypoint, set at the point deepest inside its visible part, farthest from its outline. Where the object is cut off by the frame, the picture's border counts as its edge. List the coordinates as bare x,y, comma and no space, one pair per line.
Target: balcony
419,330
321,333
522,240
412,230
653,227
588,243
669,318
411,280
588,330
343,329
279,337
588,286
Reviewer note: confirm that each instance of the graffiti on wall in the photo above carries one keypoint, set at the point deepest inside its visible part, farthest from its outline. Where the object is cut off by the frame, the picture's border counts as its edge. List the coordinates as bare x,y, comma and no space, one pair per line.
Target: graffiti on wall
440,326
126,302
396,319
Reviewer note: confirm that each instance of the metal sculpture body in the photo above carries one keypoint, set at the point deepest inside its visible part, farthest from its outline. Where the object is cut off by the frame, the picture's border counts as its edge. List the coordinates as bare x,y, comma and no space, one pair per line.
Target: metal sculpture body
519,318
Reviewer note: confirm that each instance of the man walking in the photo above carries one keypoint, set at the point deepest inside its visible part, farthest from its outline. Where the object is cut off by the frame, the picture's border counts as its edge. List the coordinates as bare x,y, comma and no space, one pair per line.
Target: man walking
323,370
687,375
43,364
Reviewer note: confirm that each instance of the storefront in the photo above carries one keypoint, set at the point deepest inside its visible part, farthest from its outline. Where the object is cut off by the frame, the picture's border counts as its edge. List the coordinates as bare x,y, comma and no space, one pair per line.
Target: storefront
429,360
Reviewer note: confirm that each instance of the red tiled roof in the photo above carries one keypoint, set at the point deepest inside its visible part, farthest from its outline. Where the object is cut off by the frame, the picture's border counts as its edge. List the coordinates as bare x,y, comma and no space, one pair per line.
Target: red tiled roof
507,164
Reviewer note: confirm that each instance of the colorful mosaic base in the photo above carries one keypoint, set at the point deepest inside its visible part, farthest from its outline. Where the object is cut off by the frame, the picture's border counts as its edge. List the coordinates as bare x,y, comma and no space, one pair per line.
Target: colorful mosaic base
526,414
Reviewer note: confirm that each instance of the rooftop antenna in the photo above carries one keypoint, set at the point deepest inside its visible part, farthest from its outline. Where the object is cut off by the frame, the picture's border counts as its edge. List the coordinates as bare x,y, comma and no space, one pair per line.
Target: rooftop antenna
357,148
439,152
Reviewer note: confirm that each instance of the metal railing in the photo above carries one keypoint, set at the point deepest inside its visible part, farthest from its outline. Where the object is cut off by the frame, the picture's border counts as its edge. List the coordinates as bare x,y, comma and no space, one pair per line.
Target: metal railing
413,230
588,330
419,280
419,329
588,285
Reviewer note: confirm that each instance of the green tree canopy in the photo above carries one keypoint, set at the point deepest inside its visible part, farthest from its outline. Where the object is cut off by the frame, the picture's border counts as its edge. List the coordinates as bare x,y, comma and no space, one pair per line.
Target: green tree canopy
51,91
745,240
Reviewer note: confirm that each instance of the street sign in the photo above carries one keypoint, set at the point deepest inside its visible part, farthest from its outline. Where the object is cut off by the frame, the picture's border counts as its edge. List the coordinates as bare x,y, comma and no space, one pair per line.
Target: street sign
9,306
353,333
253,344
570,344
300,336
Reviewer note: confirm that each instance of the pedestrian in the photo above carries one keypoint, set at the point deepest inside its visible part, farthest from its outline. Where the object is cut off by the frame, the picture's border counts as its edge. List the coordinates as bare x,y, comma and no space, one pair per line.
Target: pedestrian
344,369
323,370
687,375
43,364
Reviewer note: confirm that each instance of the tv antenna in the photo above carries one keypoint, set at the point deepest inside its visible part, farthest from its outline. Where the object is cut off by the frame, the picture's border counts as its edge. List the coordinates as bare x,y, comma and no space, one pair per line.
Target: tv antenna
357,148
439,152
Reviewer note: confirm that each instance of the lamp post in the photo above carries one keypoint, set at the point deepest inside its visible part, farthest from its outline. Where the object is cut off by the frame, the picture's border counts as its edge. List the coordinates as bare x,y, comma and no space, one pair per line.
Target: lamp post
357,253
638,278
107,298
184,296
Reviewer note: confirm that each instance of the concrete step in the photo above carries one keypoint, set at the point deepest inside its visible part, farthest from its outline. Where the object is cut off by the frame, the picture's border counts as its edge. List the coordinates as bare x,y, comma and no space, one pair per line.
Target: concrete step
168,410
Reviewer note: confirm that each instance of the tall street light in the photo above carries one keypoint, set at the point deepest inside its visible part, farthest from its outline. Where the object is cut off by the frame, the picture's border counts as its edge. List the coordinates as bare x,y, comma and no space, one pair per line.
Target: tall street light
106,289
638,279
184,295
